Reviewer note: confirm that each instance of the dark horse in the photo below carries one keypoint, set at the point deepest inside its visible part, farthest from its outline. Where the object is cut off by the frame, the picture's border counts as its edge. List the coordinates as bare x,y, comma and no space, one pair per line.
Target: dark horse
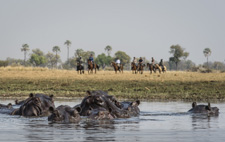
151,67
134,67
80,68
116,68
140,68
92,66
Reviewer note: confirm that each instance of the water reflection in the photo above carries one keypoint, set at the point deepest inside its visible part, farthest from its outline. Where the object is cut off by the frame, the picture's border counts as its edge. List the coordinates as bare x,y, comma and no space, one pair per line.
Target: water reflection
201,121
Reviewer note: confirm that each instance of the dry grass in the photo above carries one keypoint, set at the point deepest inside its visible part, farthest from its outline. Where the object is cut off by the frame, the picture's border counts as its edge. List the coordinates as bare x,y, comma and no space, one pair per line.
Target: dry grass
45,73
171,85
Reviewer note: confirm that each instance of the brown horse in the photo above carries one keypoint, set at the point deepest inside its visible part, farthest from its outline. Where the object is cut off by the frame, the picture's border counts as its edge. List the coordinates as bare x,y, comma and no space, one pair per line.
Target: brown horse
116,68
92,67
151,67
140,68
134,67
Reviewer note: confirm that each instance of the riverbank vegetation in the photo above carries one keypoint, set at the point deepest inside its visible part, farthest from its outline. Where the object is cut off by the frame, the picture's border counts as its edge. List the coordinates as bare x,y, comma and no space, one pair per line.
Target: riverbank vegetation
174,85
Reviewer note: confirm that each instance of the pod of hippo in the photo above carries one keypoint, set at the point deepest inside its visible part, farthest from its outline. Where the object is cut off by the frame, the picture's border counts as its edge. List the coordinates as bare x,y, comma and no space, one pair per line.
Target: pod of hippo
97,105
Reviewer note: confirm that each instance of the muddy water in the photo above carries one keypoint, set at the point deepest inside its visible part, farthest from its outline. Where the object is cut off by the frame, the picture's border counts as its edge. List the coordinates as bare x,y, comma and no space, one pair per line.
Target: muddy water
158,121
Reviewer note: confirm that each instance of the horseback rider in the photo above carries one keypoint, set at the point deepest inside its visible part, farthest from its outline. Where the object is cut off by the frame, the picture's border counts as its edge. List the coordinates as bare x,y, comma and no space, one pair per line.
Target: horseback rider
153,61
118,62
91,59
79,62
161,63
135,61
140,62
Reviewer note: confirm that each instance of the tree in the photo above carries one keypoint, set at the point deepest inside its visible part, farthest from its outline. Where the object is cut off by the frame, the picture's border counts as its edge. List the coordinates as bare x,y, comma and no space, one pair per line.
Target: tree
103,60
25,49
78,53
56,49
207,52
178,52
38,58
51,59
67,43
124,58
108,49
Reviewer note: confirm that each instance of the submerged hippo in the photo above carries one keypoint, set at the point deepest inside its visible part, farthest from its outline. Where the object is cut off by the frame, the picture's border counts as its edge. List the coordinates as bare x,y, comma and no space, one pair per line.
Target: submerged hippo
64,114
9,106
100,114
35,105
205,109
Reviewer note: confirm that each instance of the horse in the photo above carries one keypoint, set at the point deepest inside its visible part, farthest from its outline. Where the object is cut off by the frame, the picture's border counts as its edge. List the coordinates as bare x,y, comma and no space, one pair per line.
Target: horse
140,68
92,66
80,68
151,67
116,68
164,69
134,67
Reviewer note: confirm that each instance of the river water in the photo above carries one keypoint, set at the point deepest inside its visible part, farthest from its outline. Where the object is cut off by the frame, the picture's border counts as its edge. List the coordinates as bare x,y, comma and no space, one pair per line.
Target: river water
158,121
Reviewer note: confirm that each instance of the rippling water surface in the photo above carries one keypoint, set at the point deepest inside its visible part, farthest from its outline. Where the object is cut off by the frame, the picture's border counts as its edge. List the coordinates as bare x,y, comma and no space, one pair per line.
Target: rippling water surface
158,121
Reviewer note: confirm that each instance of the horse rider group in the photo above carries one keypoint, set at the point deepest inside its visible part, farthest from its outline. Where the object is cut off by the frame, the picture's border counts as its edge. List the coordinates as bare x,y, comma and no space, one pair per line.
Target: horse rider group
140,61
138,65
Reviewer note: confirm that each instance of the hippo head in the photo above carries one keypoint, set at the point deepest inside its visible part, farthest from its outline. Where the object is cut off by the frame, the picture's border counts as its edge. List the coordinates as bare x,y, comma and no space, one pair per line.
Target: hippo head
99,114
207,109
32,107
64,114
46,102
96,99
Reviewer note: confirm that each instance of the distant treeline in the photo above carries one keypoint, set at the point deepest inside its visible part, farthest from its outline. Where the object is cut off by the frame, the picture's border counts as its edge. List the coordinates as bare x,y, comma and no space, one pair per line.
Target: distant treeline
37,58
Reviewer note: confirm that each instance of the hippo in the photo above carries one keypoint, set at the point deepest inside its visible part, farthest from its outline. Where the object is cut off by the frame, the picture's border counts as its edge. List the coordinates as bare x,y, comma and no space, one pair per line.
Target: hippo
35,105
204,109
9,106
30,108
64,114
100,114
101,100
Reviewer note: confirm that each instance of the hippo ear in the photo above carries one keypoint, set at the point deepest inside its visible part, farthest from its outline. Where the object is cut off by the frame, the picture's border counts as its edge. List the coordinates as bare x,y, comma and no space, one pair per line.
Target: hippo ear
136,103
78,109
89,93
194,104
51,96
31,95
51,109
9,105
208,107
16,101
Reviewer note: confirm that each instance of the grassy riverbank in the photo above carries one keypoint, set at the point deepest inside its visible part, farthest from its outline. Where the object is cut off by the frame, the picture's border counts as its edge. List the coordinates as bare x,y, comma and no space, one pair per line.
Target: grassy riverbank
19,82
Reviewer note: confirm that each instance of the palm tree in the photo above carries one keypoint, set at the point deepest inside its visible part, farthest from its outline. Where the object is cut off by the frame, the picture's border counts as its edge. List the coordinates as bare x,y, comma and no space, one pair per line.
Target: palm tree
25,49
56,49
67,43
108,49
207,52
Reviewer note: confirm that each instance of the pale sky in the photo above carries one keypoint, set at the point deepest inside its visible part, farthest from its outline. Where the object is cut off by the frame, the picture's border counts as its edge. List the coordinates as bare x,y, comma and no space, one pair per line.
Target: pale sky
144,28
